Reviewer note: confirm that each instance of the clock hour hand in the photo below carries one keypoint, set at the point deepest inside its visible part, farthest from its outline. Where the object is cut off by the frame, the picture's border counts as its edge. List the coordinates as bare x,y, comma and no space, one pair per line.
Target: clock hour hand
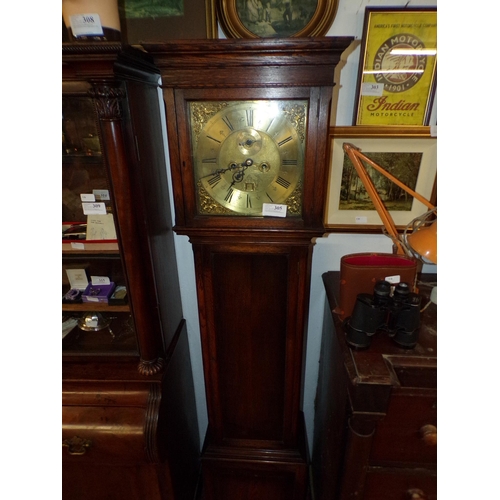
237,177
240,173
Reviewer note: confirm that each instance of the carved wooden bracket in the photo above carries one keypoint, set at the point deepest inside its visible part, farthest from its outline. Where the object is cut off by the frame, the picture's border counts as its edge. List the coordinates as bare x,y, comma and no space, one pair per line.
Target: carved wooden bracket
151,367
107,97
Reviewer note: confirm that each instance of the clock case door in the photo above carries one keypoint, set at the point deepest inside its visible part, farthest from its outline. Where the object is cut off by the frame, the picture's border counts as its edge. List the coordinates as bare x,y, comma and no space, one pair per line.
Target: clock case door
253,298
252,309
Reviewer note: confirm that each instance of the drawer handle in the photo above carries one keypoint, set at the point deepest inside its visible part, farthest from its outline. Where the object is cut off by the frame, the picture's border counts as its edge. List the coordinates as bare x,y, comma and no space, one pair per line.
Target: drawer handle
415,494
77,445
429,434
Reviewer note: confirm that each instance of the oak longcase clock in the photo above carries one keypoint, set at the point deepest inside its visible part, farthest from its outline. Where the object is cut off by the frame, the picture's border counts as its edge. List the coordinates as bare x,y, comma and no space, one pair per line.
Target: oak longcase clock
247,124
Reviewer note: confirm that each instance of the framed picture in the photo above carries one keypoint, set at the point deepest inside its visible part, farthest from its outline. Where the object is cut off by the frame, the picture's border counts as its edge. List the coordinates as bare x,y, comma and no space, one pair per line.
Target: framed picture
397,69
411,158
163,20
275,18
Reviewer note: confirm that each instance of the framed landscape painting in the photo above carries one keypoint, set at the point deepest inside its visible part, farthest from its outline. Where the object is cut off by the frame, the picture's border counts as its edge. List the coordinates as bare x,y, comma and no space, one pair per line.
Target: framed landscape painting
413,161
161,20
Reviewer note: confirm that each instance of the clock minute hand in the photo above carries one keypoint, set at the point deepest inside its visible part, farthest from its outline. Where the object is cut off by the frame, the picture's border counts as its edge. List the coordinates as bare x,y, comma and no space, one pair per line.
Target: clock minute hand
236,176
221,170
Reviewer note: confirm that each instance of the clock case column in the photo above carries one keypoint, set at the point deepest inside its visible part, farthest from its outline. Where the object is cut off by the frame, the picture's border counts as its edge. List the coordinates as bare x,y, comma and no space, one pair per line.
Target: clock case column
252,273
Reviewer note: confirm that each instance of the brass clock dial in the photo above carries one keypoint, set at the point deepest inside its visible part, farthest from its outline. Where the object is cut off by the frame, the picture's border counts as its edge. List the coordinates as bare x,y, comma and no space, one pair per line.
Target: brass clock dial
247,153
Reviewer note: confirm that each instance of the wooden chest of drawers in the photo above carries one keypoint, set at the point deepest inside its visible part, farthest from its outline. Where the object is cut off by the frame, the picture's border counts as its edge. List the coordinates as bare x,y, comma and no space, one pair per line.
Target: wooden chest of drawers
127,436
375,434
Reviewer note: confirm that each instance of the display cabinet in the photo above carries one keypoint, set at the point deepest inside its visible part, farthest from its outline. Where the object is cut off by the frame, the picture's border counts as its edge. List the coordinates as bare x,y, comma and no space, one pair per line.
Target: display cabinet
129,417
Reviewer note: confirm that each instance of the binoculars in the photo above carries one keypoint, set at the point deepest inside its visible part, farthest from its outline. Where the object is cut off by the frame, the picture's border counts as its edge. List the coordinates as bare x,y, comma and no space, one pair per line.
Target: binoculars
397,314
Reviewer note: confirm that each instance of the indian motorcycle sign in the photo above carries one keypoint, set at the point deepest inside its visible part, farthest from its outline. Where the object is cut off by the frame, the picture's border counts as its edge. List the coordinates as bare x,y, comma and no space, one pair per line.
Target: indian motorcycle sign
397,68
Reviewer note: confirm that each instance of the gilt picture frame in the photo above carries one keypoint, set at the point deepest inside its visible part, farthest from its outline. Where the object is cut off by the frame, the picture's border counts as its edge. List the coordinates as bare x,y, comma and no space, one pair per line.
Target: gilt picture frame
411,157
398,67
275,18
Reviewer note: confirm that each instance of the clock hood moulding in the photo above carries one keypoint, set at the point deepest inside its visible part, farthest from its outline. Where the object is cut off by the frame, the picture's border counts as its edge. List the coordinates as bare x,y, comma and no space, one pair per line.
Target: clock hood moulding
208,63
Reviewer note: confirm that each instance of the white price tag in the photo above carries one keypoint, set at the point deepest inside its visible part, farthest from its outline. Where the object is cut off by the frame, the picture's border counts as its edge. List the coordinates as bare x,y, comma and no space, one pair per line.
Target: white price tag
101,194
372,89
393,280
87,197
361,220
274,210
100,280
94,208
77,246
86,24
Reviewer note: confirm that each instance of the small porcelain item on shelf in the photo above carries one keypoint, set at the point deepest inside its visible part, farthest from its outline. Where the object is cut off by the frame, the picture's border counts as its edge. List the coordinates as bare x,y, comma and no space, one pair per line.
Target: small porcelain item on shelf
93,322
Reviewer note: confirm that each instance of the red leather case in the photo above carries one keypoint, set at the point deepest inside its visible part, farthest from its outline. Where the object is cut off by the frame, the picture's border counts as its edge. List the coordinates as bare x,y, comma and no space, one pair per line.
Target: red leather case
360,271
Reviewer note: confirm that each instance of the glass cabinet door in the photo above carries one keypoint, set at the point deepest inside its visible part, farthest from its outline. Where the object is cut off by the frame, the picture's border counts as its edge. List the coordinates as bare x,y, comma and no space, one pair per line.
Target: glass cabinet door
96,315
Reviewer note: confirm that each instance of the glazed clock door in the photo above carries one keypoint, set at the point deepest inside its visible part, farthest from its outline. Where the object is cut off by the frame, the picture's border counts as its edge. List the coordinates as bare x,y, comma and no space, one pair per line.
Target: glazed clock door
241,156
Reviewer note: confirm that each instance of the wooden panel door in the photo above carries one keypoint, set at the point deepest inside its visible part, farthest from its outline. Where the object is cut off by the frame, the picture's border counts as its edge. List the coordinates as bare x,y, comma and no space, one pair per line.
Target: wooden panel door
253,307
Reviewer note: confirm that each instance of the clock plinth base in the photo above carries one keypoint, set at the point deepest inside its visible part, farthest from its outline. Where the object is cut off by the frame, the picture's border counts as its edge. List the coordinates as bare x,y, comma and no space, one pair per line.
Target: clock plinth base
230,473
254,471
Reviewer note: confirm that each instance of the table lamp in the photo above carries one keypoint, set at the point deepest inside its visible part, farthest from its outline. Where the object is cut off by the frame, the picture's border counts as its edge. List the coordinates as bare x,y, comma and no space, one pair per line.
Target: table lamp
422,240
419,238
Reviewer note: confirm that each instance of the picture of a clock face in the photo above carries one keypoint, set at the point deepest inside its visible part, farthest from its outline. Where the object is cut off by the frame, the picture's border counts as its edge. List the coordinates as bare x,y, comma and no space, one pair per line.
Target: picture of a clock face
247,153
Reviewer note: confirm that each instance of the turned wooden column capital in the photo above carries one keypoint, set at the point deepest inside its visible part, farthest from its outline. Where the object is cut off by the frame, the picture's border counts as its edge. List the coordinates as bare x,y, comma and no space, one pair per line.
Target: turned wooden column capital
107,96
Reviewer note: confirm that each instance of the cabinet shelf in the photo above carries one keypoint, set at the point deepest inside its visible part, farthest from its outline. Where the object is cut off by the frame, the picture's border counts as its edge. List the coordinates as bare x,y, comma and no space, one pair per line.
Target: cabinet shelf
118,338
85,247
93,306
71,159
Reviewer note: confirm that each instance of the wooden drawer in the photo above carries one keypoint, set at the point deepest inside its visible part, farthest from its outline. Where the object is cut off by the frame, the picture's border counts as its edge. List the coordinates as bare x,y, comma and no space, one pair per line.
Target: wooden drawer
399,435
402,484
104,434
110,422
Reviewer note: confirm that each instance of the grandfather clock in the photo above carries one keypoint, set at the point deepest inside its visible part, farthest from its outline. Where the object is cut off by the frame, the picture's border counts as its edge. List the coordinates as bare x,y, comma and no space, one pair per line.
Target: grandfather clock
247,122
